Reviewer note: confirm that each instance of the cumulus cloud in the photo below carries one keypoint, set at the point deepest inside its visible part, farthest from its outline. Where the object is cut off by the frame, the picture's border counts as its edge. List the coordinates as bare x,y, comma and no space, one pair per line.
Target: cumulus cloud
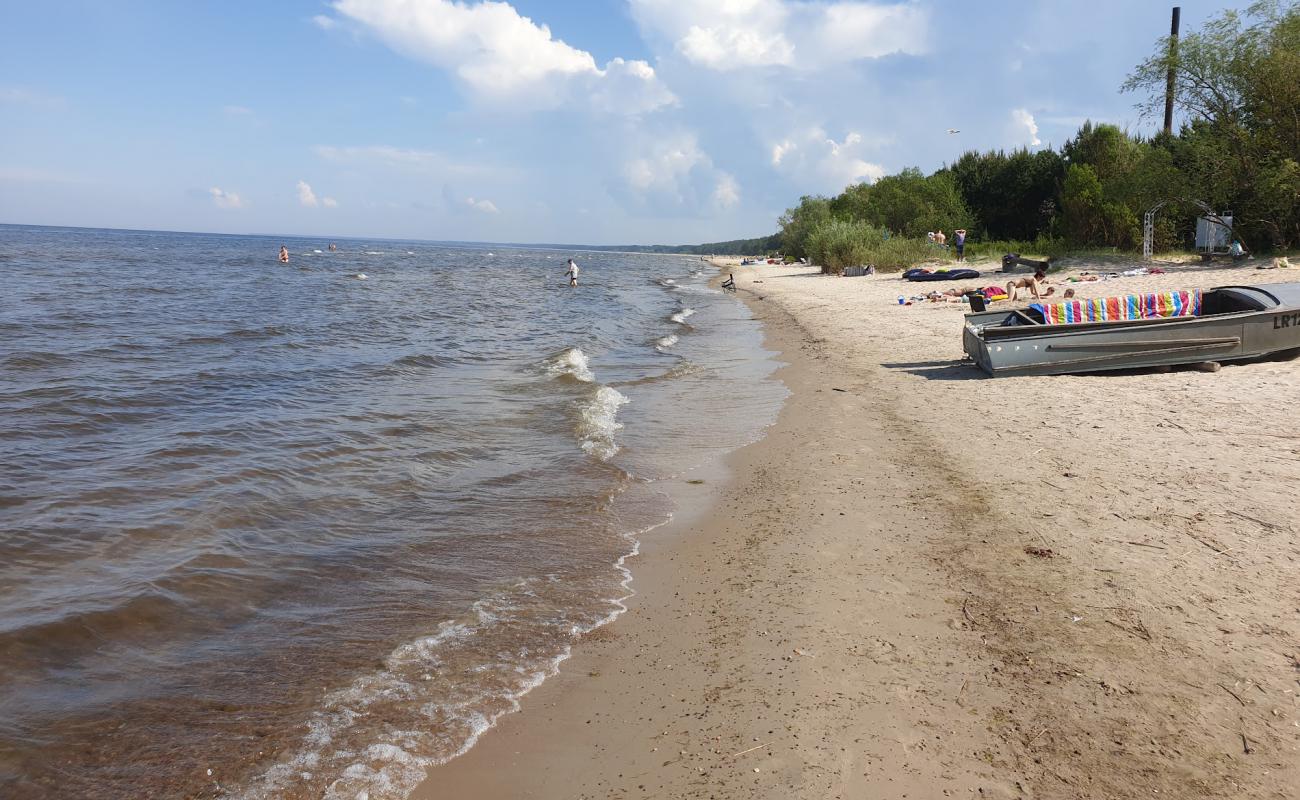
666,172
736,34
484,206
223,199
629,87
324,23
506,58
1024,128
306,196
811,155
727,193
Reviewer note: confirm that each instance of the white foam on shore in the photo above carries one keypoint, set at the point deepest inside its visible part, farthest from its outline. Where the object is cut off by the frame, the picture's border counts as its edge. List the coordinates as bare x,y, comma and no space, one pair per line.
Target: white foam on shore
390,769
666,342
681,316
572,363
597,422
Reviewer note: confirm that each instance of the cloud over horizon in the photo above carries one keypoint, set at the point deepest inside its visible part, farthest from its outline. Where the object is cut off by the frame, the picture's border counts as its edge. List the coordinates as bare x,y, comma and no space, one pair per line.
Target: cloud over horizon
223,199
738,34
505,59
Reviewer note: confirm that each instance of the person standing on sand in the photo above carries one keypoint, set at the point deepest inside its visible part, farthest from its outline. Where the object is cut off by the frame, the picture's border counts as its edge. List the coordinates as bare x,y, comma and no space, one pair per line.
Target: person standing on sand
960,240
572,274
284,254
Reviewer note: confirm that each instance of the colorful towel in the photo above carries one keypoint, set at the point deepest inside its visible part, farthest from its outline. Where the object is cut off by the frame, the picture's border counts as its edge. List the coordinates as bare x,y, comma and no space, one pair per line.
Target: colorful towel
1133,306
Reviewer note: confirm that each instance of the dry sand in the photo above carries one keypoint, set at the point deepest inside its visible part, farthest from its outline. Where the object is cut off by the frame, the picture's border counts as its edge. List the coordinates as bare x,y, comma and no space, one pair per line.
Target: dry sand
928,584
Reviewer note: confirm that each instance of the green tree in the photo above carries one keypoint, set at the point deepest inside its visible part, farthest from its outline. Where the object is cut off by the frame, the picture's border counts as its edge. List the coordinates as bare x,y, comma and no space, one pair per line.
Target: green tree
1238,82
1090,219
910,203
798,223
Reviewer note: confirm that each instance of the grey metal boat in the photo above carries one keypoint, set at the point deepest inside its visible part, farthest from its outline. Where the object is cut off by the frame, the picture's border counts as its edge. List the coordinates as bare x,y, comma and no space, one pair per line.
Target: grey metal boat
1230,323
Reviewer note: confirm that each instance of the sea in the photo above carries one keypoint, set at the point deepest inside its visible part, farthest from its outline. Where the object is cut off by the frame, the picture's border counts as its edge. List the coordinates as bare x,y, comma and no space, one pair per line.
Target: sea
306,530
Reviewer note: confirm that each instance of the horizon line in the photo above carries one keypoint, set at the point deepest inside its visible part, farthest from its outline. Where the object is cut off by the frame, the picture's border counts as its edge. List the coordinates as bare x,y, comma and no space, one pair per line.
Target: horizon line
456,242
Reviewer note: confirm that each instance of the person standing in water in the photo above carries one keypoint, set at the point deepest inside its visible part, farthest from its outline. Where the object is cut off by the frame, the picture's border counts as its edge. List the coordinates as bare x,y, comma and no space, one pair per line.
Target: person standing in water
284,254
572,274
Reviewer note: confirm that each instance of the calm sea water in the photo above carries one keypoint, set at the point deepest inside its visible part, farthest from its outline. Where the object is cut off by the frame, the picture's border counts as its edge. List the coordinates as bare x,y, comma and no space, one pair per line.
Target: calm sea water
278,531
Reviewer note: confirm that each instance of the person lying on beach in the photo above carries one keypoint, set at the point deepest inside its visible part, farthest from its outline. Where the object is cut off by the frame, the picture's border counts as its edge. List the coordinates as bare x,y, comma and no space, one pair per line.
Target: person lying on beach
1034,285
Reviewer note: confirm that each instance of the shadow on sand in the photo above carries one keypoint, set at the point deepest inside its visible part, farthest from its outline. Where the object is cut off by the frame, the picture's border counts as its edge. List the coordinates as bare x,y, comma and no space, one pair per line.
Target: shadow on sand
959,369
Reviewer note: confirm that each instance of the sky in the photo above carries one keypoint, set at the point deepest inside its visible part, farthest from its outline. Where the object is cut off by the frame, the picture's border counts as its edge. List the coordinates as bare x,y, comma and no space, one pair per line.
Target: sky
582,121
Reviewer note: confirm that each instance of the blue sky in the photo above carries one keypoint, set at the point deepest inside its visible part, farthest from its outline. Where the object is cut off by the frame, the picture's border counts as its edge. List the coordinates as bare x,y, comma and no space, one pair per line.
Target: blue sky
601,122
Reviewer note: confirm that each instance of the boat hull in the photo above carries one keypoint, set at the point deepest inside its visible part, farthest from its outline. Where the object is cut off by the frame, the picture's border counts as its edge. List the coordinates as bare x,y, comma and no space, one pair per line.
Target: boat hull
1133,344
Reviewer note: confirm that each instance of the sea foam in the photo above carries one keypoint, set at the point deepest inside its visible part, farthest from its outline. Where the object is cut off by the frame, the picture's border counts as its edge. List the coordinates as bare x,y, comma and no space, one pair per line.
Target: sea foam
573,364
680,316
597,422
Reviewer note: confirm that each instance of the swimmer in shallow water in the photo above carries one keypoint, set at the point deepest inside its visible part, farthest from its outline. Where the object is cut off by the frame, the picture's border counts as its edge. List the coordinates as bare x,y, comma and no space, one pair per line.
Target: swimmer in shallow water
284,254
572,274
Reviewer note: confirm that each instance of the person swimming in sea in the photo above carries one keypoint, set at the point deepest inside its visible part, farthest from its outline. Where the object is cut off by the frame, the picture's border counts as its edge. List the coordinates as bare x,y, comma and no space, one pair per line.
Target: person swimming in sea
284,254
572,274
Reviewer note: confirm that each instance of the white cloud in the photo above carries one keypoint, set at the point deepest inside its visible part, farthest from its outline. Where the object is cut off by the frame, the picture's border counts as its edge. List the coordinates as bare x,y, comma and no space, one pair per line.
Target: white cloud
666,173
779,151
324,23
329,202
1024,128
223,199
306,196
629,87
727,193
506,58
662,168
485,206
811,157
237,111
737,34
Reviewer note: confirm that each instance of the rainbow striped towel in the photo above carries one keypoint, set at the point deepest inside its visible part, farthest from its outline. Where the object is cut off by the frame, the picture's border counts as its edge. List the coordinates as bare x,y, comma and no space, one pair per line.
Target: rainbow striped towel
1133,306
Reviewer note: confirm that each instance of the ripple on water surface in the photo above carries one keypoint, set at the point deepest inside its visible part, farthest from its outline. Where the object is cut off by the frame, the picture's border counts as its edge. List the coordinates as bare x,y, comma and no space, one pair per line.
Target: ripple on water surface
314,534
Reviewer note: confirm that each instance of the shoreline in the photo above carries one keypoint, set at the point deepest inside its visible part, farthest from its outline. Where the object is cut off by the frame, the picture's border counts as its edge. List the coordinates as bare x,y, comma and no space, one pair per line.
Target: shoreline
858,613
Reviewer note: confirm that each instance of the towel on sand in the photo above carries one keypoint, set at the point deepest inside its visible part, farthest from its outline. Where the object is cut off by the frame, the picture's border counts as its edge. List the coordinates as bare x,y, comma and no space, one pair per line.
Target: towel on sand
1133,306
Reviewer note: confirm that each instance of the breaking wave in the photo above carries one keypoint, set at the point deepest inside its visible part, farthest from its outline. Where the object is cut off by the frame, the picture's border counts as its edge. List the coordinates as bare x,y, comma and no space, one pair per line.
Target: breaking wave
597,422
572,364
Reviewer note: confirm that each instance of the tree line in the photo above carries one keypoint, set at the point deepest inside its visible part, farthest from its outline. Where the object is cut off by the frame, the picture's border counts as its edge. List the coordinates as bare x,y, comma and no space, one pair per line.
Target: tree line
1237,86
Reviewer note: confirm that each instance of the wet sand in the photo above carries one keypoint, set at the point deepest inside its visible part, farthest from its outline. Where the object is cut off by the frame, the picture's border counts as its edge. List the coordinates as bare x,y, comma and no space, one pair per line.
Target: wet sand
926,584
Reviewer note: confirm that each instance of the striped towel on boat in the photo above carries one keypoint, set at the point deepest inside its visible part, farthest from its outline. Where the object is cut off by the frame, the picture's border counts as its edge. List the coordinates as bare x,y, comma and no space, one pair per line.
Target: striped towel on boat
1133,306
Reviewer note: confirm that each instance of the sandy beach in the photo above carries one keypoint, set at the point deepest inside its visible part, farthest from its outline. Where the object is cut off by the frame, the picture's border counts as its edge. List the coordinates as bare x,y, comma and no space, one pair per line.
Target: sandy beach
924,583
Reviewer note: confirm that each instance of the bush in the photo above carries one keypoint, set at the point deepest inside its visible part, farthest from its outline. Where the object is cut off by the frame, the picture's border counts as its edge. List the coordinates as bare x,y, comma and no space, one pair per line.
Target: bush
899,253
837,244
1040,248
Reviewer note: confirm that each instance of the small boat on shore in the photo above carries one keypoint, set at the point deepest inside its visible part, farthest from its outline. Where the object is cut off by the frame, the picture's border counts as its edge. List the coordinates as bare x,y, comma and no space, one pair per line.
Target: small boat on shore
1230,323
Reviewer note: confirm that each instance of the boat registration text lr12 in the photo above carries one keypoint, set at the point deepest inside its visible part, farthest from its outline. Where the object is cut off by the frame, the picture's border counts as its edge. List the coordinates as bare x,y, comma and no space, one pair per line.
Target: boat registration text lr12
1286,321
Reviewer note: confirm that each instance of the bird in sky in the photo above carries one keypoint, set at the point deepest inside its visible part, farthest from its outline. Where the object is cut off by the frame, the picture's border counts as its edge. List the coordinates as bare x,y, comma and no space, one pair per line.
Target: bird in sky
952,131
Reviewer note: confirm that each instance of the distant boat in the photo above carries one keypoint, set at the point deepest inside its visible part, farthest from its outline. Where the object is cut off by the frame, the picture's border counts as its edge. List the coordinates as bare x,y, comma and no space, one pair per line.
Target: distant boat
1230,323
